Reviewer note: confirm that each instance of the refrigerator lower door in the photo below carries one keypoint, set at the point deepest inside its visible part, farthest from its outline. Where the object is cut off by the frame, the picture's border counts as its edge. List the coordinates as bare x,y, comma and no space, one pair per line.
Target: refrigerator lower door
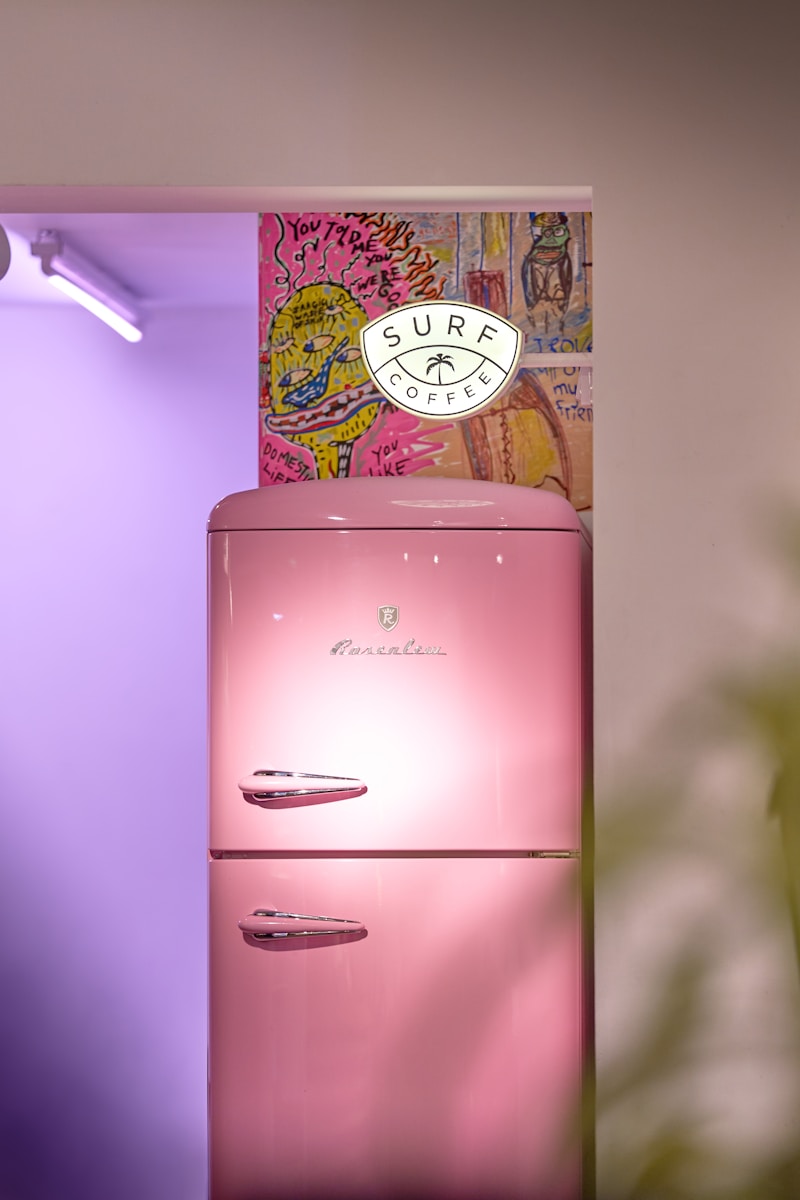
437,1055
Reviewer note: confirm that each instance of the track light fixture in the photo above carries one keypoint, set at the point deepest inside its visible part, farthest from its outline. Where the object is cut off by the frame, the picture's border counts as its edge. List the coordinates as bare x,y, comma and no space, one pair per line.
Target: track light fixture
90,287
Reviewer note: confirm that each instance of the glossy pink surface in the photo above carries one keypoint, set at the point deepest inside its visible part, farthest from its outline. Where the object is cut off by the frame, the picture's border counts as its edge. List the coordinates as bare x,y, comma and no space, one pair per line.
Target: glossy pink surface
423,640
436,1057
390,503
474,745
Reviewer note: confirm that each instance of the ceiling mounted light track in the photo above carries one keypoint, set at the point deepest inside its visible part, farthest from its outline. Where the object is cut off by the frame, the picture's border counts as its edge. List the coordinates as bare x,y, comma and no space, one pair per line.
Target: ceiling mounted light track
89,286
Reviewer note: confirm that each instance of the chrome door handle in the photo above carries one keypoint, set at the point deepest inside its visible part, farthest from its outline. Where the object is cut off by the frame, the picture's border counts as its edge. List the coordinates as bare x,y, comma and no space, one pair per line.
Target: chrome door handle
271,923
285,785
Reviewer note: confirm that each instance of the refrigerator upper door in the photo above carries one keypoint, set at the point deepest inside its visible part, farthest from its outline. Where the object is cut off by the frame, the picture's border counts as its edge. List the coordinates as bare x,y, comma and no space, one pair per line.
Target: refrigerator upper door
437,1056
436,673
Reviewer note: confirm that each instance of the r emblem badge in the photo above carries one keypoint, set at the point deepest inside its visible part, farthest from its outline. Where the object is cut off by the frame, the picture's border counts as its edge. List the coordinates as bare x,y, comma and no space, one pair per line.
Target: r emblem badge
388,616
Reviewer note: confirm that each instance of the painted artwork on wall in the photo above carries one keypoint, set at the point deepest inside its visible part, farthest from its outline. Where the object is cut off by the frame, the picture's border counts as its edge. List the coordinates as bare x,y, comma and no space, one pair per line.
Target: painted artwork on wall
323,276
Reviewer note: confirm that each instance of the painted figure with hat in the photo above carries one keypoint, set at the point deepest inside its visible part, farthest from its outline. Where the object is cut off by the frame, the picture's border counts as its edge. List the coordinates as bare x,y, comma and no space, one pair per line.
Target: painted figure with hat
547,270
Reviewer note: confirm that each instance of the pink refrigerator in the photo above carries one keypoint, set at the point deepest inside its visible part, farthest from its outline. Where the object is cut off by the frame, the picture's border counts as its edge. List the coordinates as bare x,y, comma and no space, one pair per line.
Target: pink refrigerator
399,973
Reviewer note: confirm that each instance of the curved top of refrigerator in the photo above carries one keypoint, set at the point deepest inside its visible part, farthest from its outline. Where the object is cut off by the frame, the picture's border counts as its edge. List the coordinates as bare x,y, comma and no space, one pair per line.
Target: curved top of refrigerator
389,503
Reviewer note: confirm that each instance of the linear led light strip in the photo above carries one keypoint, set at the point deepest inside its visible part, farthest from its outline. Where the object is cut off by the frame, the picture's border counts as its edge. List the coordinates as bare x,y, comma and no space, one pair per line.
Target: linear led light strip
90,287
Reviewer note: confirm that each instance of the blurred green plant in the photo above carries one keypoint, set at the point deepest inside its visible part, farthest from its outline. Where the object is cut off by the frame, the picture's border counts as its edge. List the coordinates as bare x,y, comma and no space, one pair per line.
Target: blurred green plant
698,1094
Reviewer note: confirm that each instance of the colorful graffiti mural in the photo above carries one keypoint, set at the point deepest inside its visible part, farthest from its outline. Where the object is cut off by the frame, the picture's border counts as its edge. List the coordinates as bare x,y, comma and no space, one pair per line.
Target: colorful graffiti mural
322,276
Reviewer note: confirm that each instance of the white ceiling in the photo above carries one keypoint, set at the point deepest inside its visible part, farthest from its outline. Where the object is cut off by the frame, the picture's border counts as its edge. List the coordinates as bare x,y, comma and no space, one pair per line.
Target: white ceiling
165,259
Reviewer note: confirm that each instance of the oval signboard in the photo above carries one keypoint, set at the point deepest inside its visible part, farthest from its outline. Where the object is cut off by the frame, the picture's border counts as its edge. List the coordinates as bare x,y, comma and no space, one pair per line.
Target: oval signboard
441,359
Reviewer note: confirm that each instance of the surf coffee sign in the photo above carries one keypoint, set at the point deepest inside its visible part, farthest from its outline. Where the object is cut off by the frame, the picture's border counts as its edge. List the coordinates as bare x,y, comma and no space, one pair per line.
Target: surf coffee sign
441,359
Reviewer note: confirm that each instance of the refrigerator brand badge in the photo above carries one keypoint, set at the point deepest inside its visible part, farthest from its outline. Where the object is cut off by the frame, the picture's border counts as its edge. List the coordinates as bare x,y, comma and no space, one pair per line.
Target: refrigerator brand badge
441,359
346,646
388,616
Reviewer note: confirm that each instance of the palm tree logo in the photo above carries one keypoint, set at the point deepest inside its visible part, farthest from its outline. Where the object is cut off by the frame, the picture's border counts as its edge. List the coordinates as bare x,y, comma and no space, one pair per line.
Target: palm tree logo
439,360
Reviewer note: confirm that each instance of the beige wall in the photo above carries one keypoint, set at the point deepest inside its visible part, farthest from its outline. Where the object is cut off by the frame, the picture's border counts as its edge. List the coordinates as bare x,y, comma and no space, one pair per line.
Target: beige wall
681,116
682,120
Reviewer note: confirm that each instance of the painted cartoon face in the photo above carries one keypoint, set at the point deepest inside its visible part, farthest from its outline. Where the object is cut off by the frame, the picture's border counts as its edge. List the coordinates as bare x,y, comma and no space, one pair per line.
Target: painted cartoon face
320,391
550,234
314,346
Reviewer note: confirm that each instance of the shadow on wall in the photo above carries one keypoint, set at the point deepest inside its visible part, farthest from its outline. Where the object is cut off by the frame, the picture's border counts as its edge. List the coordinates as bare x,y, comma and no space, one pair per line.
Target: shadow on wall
698,885
112,461
65,1131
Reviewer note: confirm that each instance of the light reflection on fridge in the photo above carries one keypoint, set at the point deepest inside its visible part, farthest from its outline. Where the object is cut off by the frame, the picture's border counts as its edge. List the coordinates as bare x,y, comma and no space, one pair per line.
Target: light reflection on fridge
440,1054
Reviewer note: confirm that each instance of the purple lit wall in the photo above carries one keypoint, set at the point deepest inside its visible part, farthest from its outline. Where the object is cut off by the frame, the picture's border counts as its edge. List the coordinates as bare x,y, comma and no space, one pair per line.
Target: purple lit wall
111,456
